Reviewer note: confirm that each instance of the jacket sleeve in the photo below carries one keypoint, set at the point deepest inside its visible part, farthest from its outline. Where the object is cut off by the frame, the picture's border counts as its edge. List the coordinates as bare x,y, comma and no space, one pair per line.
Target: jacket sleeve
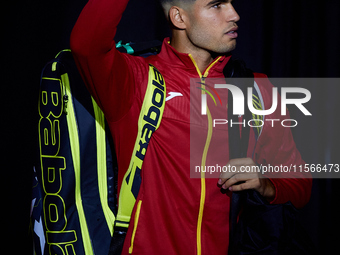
276,147
108,74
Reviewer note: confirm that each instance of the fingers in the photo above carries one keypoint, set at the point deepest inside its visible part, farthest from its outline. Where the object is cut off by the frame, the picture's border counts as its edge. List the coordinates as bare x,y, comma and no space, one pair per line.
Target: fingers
236,166
239,178
242,181
236,179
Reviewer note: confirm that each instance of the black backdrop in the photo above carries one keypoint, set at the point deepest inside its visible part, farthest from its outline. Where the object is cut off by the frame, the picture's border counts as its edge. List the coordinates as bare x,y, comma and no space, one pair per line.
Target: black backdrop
282,38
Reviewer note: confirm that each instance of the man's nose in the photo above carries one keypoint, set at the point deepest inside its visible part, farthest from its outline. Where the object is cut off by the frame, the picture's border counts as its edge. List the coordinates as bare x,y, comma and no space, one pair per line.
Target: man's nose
231,14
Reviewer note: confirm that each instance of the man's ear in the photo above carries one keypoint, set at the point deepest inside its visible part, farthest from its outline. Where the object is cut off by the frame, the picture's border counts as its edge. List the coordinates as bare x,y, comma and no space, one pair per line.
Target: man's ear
177,17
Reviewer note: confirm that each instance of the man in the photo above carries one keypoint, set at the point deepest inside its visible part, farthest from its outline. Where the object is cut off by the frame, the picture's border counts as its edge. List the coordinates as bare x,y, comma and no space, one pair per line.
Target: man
176,214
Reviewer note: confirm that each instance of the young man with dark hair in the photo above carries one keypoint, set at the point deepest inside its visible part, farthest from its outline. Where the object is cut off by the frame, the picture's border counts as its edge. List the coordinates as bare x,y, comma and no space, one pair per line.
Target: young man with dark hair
176,214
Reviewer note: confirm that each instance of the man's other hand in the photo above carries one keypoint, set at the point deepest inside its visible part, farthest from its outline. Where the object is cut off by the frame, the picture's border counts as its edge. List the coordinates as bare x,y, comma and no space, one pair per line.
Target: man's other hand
240,177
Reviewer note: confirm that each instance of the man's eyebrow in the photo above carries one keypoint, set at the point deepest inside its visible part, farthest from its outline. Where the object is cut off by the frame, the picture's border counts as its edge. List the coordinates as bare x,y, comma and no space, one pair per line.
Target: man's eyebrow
213,2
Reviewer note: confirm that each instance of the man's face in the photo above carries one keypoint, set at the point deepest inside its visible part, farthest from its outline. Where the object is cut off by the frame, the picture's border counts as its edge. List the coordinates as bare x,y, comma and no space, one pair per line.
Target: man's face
212,25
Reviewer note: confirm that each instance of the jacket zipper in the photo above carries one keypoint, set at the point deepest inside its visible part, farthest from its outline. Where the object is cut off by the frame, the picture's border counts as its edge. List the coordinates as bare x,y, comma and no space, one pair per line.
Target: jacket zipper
204,156
137,213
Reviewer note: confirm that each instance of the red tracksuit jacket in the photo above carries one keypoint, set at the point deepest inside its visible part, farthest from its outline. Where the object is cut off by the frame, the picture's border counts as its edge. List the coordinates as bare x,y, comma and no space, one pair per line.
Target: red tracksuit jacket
178,214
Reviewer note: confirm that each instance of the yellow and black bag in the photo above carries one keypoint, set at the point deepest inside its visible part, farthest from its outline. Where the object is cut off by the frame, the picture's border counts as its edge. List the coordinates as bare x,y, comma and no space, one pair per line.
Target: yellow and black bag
74,200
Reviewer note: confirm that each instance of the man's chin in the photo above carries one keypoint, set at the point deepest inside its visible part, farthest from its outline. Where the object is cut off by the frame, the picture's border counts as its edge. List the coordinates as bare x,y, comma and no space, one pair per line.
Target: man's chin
226,48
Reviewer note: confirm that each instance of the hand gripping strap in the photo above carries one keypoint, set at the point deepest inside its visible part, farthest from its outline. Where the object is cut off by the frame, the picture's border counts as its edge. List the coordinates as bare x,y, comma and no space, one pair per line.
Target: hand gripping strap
148,122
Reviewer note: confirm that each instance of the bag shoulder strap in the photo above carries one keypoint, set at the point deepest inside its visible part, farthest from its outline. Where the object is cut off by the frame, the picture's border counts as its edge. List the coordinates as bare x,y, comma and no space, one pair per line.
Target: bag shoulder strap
149,119
238,142
238,69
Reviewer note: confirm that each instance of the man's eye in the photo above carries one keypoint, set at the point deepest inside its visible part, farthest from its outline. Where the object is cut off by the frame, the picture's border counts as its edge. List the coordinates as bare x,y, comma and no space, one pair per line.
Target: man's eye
216,5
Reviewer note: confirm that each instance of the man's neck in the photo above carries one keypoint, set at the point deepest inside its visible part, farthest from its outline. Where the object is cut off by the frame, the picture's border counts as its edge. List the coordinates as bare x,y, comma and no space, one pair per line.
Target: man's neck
202,57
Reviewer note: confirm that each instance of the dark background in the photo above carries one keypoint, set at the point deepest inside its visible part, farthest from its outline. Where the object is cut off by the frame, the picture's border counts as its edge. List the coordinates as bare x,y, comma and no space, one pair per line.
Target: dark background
282,38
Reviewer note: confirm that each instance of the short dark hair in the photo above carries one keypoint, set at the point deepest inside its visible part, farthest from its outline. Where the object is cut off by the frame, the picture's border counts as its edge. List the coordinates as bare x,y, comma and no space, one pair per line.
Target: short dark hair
167,4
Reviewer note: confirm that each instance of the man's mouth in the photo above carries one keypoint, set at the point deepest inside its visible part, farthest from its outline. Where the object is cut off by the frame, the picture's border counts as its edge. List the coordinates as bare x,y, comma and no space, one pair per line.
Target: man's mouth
233,32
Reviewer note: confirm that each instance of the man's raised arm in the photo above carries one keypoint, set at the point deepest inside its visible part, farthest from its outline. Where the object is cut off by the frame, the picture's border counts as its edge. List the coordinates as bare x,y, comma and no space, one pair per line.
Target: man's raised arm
105,71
